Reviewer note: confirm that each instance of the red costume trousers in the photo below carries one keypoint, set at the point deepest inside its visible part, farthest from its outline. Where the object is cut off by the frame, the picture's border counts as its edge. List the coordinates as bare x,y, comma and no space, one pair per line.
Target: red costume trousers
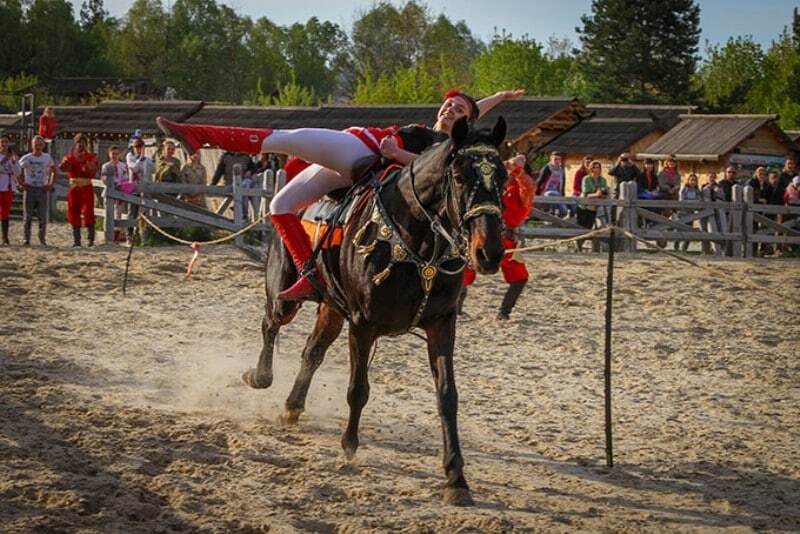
513,270
6,198
80,201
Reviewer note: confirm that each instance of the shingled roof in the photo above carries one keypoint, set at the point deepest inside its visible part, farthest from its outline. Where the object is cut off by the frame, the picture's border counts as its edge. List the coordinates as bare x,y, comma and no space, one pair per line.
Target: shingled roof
83,86
794,135
711,136
613,128
521,115
121,118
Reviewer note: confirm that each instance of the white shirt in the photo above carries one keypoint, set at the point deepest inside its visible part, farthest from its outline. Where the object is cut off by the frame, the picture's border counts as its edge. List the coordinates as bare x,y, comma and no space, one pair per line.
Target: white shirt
9,168
118,172
36,169
141,168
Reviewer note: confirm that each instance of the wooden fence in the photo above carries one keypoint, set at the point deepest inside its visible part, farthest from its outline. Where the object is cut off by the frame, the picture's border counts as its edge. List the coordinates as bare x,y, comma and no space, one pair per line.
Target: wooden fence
165,204
733,228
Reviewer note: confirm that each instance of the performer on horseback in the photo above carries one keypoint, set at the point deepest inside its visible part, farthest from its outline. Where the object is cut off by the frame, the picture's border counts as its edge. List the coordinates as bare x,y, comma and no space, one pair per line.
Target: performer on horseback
517,203
331,156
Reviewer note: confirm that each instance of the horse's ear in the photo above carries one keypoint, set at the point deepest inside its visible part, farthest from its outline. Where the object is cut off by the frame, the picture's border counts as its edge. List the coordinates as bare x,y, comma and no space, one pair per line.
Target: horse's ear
459,131
499,131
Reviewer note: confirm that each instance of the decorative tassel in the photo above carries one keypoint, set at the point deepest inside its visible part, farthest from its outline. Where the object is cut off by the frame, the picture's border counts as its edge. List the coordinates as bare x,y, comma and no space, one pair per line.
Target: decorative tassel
366,249
381,276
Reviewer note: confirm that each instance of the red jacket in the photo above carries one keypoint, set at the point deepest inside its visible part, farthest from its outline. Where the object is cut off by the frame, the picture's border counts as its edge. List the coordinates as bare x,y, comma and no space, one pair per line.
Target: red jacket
517,197
47,126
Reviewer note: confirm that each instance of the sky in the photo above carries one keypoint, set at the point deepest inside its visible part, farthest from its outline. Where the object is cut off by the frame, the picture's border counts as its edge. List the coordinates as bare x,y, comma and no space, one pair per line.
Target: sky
540,19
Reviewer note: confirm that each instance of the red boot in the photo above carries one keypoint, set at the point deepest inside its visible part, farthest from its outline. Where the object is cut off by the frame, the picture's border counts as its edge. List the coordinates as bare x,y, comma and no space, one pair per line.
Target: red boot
232,139
296,240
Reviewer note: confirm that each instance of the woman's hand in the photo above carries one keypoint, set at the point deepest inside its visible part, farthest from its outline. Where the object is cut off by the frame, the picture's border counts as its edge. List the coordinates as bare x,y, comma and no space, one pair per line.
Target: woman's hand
389,147
510,95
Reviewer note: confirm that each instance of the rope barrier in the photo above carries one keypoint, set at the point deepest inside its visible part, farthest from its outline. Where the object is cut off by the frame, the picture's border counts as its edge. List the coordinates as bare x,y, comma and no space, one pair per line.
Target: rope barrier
581,237
197,244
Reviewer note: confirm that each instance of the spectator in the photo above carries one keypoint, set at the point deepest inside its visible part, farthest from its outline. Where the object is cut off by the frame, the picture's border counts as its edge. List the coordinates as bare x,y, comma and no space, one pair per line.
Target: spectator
582,171
669,180
758,182
690,192
789,171
773,191
81,167
140,167
140,170
593,186
9,170
38,177
727,183
168,169
194,173
551,180
226,165
791,196
48,123
267,162
648,182
116,172
624,171
716,193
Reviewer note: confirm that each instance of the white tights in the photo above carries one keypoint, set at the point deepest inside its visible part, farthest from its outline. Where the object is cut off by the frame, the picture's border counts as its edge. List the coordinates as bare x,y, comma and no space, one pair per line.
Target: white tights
332,154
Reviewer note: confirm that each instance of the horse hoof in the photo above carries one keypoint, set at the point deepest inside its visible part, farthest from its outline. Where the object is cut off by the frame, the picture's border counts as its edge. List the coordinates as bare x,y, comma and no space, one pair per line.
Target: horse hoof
349,453
256,381
289,417
458,497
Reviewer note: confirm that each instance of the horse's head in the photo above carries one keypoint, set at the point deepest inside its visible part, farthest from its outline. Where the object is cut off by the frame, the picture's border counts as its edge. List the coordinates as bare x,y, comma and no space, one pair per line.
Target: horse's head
477,188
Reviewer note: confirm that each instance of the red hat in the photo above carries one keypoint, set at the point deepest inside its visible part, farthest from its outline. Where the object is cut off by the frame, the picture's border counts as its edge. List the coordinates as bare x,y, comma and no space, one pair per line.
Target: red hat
474,110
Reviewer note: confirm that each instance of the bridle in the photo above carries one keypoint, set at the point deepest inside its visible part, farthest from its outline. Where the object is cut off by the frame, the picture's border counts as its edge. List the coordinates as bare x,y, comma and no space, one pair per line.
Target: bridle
486,161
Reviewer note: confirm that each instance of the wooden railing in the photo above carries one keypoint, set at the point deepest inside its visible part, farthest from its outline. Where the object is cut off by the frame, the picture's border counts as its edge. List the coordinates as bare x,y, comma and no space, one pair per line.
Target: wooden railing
723,228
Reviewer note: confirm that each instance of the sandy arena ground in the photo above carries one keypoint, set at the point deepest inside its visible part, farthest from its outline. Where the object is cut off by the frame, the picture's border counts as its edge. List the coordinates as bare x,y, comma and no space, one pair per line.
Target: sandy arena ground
128,414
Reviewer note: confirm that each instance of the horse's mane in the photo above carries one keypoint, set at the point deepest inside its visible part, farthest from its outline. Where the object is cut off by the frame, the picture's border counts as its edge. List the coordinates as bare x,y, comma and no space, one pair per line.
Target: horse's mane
435,157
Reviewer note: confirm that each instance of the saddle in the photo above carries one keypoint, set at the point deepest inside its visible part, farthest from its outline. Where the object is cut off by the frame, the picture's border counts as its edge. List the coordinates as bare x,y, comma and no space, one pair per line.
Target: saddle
324,221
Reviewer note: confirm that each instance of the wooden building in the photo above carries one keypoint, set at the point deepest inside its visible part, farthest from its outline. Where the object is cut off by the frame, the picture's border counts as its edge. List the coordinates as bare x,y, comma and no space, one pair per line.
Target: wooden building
705,143
611,130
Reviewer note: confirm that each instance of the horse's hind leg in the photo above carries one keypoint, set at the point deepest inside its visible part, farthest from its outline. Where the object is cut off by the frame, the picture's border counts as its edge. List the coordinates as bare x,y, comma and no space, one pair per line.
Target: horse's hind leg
326,330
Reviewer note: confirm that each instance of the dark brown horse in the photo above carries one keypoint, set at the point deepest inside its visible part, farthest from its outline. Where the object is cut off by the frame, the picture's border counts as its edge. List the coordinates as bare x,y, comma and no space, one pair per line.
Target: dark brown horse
400,266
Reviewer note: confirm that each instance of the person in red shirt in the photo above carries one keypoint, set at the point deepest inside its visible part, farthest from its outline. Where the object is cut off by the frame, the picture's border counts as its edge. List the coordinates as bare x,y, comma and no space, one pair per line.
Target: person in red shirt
517,203
80,166
582,171
48,123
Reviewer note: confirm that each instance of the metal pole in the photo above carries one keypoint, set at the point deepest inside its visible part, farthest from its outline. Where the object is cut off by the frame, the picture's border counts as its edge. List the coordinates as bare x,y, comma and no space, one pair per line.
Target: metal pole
607,371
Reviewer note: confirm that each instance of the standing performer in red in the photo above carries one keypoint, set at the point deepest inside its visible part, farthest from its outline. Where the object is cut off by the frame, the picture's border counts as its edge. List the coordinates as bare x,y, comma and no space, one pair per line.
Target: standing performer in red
331,155
517,203
80,166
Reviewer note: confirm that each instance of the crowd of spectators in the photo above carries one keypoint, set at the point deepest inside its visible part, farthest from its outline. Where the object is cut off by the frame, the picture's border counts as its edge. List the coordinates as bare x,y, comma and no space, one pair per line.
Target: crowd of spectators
34,175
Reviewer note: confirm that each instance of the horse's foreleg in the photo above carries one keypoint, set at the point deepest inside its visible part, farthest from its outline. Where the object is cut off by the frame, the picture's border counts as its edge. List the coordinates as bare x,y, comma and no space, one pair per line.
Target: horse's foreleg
441,340
326,330
361,341
261,376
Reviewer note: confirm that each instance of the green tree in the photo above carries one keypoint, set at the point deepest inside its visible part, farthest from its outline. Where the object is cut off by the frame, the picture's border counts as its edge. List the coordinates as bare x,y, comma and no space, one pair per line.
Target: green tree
386,38
778,90
267,68
510,62
14,40
56,40
639,50
314,52
728,75
140,47
451,47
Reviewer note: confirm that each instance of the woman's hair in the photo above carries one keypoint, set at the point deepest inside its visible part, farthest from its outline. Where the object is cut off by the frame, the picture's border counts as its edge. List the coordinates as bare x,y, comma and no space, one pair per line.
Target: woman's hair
112,148
758,171
473,105
596,162
691,175
649,161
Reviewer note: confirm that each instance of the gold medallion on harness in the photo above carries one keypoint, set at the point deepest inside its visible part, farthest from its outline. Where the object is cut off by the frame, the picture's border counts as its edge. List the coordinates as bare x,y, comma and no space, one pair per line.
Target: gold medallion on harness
385,231
376,215
428,273
398,252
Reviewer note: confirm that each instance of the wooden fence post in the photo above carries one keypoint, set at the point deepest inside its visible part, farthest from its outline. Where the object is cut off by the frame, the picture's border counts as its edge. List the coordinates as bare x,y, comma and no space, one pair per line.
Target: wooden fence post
238,202
747,221
736,214
109,223
707,223
280,181
632,219
622,217
267,192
